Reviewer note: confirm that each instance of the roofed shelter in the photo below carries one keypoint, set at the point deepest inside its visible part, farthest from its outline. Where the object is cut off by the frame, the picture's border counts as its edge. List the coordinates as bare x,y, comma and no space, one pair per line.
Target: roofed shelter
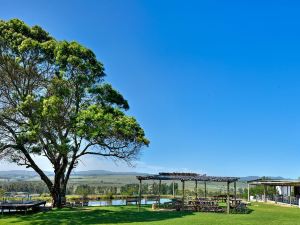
189,177
284,188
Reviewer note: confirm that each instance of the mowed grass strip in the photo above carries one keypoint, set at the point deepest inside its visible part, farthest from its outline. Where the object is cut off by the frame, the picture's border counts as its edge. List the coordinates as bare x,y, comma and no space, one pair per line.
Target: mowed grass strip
261,214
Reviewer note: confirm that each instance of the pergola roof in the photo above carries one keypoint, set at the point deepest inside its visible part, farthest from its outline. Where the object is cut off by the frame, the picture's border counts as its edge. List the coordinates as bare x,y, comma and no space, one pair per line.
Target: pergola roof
275,182
187,177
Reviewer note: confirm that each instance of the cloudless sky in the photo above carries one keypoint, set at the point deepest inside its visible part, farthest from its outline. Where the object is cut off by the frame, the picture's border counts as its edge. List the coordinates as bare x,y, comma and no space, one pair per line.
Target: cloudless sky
214,84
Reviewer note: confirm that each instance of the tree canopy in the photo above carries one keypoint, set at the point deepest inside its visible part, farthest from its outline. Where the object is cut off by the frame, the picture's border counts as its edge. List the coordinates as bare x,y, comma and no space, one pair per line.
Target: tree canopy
55,103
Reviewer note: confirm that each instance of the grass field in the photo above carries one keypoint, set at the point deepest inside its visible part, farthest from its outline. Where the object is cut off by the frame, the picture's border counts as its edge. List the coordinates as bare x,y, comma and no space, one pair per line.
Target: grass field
262,214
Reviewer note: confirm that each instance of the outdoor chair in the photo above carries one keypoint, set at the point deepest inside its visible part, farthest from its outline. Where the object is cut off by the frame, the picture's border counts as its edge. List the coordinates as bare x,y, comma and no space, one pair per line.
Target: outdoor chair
173,204
85,203
69,204
77,204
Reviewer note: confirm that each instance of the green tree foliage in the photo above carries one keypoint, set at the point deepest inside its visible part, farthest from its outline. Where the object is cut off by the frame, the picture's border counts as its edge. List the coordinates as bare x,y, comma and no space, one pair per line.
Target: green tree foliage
85,190
36,187
152,189
259,190
2,192
54,103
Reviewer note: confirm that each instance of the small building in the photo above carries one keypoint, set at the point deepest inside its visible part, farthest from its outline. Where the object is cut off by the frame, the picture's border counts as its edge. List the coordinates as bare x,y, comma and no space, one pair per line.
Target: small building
286,191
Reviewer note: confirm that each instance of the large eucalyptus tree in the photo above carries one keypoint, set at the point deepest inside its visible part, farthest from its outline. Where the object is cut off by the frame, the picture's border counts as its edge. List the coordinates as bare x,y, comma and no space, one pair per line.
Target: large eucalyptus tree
54,103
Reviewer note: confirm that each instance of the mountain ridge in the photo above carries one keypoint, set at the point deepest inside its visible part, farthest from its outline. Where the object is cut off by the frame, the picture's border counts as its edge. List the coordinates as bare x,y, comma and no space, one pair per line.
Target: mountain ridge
29,174
23,174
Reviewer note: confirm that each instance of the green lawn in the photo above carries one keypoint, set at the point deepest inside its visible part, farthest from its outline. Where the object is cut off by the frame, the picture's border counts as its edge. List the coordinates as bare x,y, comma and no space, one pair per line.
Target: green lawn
261,214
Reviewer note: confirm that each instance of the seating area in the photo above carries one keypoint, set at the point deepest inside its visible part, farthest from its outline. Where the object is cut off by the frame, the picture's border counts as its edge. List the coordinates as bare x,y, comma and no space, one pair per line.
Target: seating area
205,204
222,198
76,204
132,200
200,205
151,198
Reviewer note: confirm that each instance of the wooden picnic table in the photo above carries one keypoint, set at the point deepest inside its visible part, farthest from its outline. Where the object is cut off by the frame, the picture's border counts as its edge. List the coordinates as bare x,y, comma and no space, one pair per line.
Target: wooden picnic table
202,201
204,205
222,198
235,201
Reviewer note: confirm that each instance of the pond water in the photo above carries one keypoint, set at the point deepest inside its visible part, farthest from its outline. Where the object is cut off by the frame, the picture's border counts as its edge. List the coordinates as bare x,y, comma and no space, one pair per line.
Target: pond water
123,202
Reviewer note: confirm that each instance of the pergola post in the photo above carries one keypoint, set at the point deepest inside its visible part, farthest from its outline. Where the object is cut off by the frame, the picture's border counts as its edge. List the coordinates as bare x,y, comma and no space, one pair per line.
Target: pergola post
228,198
290,195
248,192
153,188
265,192
234,191
275,196
182,193
159,187
173,189
140,193
196,189
205,191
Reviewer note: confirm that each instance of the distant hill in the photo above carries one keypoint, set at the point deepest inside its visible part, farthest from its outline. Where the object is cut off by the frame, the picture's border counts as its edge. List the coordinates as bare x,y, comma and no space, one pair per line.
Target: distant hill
104,172
25,174
249,178
257,177
19,174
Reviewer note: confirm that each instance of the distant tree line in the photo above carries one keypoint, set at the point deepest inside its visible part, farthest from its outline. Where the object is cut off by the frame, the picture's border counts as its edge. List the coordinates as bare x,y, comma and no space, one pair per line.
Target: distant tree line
38,187
20,186
165,189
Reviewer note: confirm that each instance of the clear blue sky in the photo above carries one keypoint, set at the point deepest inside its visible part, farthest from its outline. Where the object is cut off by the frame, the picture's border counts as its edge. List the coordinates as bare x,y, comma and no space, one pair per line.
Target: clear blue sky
215,84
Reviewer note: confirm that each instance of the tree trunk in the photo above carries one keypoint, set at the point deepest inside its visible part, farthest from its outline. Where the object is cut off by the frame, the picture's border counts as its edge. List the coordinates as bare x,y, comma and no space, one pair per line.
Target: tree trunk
58,196
58,191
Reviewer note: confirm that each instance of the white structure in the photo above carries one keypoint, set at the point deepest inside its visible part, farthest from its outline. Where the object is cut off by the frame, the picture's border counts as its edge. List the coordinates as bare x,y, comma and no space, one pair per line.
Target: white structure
287,191
283,190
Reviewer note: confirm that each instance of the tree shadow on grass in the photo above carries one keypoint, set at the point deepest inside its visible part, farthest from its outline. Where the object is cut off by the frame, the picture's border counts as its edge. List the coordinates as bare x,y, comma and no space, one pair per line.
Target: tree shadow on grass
90,215
245,211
